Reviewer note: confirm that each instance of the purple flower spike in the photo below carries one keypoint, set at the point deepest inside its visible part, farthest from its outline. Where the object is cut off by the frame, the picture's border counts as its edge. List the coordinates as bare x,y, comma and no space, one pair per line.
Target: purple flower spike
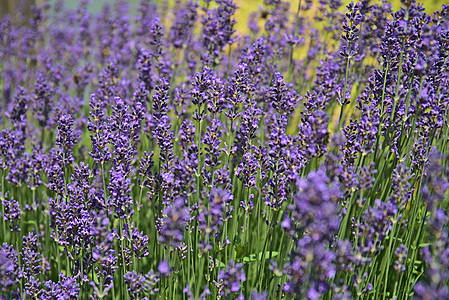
230,280
172,225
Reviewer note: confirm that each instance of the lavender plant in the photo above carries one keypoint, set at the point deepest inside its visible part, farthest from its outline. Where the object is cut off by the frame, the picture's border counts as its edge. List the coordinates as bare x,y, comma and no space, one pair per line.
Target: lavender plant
165,154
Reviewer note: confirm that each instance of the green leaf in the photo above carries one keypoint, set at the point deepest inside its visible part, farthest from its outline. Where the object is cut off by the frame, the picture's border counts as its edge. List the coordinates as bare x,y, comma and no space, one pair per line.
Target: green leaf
257,257
238,251
95,277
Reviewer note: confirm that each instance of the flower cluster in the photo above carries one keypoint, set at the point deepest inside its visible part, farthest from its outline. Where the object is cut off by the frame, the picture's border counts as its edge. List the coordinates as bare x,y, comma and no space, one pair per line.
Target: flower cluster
167,152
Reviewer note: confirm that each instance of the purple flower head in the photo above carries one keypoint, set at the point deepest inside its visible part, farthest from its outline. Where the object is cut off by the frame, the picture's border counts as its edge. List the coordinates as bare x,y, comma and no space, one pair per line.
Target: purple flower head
66,139
139,285
187,291
315,205
212,141
374,225
12,212
165,136
259,296
120,189
97,125
43,105
247,131
102,252
11,148
401,188
36,165
19,107
187,134
107,83
247,170
218,28
314,134
214,216
139,243
200,91
216,97
81,176
34,262
276,189
435,254
9,268
172,225
156,33
401,257
19,170
160,99
436,181
350,29
181,29
144,75
164,268
146,13
33,287
65,288
55,173
232,278
282,99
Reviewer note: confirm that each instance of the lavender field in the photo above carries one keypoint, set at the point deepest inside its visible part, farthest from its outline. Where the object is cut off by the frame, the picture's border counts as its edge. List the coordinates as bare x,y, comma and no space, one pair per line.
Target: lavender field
157,152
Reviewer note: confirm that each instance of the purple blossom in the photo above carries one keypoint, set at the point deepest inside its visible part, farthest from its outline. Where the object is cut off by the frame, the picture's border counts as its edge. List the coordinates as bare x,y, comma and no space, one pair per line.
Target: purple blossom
247,170
65,139
65,288
33,261
97,125
120,189
9,268
12,212
171,227
231,279
139,285
181,30
164,268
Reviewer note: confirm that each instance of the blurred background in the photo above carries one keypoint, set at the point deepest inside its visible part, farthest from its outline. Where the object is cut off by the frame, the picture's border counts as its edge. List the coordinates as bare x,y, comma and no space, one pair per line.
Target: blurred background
245,6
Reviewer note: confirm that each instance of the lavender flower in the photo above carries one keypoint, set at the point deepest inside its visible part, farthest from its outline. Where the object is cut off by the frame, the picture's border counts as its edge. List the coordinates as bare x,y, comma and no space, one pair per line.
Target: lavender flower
34,263
282,99
66,288
181,30
97,124
315,216
231,279
172,225
325,214
9,268
120,199
218,28
65,139
247,170
12,212
139,285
